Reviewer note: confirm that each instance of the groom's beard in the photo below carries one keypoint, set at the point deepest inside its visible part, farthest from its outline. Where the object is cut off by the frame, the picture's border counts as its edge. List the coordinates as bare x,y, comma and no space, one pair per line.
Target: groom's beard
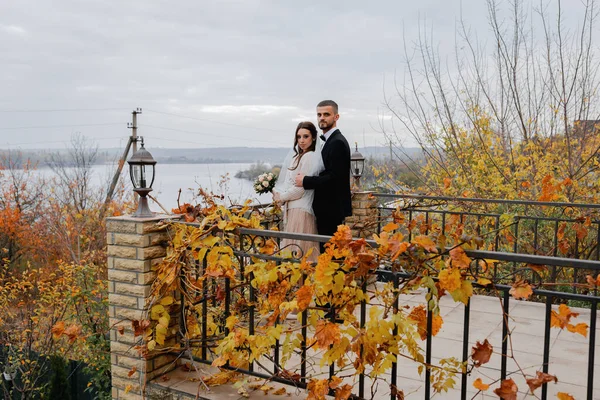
324,127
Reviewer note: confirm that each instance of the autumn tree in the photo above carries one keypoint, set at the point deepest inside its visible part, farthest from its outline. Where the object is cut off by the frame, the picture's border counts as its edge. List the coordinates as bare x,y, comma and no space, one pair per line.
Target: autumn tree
54,295
504,118
21,206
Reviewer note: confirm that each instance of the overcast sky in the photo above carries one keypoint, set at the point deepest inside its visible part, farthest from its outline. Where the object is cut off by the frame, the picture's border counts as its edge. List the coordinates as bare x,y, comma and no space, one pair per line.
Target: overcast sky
206,73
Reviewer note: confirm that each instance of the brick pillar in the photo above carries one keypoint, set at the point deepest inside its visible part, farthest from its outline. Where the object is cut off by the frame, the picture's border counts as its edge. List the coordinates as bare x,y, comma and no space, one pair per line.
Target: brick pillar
135,246
363,220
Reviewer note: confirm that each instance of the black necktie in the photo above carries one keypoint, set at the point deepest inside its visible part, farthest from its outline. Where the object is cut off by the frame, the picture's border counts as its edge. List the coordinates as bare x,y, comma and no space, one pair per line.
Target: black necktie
323,138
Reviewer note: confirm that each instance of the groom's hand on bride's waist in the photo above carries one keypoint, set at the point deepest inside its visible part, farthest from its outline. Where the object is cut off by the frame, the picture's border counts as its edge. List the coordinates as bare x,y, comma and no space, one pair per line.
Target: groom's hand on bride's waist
299,179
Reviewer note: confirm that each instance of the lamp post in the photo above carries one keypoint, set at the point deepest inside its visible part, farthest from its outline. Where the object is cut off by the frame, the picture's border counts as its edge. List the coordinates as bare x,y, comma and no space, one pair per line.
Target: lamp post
357,163
141,171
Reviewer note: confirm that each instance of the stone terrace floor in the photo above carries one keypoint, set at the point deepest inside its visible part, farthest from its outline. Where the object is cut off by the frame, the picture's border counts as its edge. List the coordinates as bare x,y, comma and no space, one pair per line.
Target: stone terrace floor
568,355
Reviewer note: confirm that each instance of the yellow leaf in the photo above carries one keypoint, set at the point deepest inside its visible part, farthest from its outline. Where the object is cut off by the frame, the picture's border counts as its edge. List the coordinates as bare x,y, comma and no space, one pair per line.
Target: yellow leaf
483,281
450,279
151,345
127,389
166,301
157,311
464,293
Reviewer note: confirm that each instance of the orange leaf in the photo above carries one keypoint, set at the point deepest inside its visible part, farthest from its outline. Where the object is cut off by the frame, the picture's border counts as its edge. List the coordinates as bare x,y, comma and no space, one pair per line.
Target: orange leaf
459,258
342,238
521,290
139,327
73,332
507,390
562,318
426,243
419,315
132,371
479,385
344,392
537,268
58,329
580,328
390,227
334,382
593,282
121,330
564,396
304,296
481,353
317,389
539,380
327,333
447,183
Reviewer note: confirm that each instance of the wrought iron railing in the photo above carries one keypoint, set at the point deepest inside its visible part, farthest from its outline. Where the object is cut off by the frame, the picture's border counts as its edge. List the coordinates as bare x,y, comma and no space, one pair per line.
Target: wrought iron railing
553,229
507,265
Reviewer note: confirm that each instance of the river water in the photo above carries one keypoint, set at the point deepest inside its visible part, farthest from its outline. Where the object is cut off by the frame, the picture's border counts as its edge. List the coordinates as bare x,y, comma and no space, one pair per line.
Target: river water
187,177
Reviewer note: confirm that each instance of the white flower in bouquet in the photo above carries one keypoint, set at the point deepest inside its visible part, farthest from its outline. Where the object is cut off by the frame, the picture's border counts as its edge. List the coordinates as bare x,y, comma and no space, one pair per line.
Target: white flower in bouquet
265,183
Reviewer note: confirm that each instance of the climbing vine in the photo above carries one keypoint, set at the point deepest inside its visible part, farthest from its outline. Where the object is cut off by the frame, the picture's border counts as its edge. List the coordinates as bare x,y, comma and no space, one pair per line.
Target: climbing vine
288,297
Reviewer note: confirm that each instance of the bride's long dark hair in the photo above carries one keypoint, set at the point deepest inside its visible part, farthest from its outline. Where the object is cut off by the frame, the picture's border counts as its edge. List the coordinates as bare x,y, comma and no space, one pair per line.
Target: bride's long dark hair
299,153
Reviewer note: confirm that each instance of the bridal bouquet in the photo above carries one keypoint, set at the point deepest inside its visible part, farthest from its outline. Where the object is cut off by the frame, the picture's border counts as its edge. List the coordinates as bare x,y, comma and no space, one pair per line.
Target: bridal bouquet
265,183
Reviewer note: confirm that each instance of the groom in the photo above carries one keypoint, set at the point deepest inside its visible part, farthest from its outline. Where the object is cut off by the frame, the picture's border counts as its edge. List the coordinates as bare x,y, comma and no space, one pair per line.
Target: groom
332,202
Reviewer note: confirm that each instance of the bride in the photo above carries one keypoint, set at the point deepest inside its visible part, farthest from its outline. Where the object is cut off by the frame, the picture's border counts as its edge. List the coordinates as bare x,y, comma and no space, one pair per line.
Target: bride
297,202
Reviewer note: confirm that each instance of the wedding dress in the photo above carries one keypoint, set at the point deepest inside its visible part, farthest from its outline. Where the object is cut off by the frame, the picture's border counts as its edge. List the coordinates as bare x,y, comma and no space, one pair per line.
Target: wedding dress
297,202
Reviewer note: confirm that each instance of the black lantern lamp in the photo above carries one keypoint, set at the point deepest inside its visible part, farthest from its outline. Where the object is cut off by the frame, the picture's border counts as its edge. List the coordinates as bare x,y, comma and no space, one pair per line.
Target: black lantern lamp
141,170
357,162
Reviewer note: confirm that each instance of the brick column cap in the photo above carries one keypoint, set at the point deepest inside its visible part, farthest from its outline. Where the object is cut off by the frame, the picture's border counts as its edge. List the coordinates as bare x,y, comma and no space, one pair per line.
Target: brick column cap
154,218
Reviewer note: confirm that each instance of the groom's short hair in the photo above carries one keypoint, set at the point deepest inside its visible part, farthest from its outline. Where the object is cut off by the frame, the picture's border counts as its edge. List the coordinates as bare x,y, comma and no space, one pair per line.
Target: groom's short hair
327,103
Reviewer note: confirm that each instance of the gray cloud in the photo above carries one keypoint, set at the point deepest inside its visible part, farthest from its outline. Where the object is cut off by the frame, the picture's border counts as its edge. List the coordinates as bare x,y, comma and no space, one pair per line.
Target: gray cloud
262,64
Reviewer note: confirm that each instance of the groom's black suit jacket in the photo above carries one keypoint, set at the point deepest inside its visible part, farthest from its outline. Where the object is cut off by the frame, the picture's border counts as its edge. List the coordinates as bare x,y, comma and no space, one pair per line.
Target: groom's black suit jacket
332,201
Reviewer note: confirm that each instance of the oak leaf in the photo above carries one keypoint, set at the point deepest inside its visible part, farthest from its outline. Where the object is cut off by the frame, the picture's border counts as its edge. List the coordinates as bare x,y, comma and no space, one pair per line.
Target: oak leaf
481,353
507,390
479,385
521,290
539,380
